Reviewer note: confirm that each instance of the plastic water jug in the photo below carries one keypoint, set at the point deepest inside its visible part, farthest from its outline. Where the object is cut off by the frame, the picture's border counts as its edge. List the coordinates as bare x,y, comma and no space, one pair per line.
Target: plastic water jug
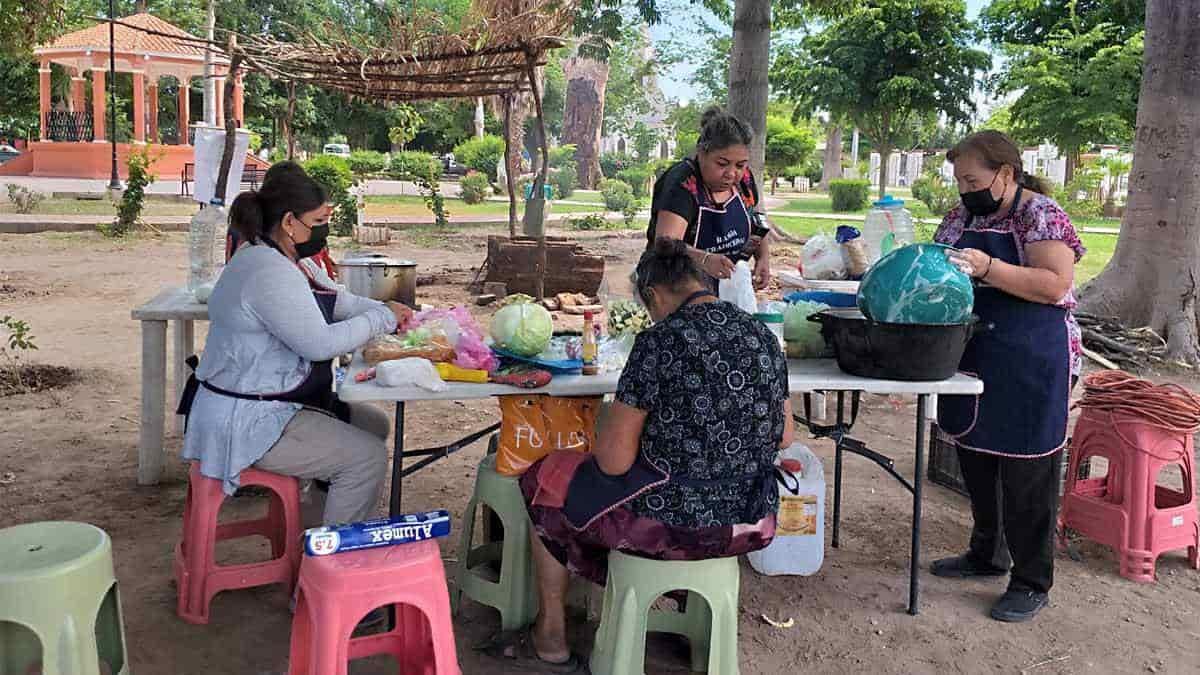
888,226
206,248
799,545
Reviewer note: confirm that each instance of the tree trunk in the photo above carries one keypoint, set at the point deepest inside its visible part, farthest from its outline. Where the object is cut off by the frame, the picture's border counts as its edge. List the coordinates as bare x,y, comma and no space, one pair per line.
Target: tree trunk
509,179
583,115
885,156
479,117
831,168
1151,279
289,129
139,7
1069,170
749,62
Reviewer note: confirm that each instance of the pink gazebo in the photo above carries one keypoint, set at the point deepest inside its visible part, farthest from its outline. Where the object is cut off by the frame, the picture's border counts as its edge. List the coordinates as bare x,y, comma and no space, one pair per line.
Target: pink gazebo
73,140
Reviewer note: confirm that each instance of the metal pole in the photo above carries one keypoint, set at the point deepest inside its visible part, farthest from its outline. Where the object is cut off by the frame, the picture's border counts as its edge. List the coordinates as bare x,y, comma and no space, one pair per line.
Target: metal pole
114,181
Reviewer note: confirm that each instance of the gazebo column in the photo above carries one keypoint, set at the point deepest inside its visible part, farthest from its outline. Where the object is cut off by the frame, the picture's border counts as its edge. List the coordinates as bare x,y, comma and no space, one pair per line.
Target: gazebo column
239,104
44,99
152,91
185,89
139,106
78,97
219,89
98,125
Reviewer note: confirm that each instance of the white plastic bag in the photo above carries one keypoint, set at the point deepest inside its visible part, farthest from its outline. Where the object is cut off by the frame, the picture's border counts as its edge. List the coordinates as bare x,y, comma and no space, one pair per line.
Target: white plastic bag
410,372
739,289
821,259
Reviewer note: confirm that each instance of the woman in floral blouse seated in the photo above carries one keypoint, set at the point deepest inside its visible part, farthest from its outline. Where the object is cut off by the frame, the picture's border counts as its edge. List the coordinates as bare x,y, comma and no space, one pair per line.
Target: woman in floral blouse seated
683,463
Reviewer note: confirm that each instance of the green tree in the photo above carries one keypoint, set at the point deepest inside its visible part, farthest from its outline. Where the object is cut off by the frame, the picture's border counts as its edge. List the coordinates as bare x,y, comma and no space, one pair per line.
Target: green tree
1077,87
1031,22
887,65
403,123
786,145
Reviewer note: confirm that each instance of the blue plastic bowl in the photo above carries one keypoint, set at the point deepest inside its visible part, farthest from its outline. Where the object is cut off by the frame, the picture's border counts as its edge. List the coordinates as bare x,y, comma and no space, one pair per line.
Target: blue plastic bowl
824,297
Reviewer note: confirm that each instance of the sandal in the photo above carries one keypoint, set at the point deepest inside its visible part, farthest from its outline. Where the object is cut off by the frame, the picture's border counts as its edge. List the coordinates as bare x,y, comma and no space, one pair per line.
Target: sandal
516,647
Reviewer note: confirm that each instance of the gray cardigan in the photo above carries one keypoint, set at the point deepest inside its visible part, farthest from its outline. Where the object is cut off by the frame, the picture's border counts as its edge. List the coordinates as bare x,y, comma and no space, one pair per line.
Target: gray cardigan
265,330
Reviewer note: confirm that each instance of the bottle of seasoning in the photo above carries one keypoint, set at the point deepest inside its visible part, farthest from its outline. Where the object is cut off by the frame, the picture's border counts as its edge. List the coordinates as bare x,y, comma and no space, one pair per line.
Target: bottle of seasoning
589,345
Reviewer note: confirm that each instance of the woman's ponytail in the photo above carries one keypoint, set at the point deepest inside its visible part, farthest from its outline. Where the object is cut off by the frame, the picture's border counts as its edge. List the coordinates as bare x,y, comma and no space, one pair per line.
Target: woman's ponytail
246,217
666,263
1035,183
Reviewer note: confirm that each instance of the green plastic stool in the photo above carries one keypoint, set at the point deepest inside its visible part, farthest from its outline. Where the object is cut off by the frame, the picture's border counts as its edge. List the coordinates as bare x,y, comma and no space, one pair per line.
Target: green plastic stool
58,601
709,621
514,594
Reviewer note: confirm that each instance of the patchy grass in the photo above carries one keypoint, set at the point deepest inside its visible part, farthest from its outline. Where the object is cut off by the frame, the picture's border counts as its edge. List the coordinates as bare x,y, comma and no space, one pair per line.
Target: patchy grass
404,205
33,378
102,207
820,202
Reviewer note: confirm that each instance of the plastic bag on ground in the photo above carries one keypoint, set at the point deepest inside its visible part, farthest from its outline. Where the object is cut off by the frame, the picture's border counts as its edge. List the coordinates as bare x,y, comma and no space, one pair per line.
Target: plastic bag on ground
410,372
821,259
739,289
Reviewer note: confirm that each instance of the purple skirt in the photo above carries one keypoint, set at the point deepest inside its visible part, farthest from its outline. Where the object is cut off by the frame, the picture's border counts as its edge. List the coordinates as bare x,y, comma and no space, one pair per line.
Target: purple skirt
585,551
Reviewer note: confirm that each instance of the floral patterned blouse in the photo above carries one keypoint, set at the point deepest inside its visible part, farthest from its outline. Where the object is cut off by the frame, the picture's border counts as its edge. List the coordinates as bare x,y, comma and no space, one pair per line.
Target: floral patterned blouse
713,381
1037,218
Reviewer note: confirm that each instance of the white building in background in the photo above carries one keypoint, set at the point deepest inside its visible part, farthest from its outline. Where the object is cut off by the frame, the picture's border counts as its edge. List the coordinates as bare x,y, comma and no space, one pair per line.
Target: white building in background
655,119
903,168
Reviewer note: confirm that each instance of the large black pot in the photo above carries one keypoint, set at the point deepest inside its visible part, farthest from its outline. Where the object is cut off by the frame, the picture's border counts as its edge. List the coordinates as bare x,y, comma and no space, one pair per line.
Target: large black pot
894,351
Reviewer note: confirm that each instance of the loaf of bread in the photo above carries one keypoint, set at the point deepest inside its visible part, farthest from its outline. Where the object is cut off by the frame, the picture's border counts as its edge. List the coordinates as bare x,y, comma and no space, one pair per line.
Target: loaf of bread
391,347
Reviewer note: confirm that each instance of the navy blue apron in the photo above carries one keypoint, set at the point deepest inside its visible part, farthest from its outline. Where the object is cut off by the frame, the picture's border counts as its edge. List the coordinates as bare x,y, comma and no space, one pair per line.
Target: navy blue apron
1024,360
724,230
315,391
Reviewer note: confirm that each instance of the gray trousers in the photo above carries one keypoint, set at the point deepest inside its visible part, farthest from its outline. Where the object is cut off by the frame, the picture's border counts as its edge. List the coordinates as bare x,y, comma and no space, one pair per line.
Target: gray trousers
351,457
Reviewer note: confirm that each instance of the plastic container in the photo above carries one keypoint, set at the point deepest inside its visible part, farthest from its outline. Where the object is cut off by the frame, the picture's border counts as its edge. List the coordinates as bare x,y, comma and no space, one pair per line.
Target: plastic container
847,300
206,246
774,321
888,226
799,545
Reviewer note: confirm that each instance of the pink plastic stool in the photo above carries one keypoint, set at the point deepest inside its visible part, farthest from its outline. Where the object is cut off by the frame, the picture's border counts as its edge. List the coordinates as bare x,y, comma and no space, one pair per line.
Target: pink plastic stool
197,575
1126,509
337,591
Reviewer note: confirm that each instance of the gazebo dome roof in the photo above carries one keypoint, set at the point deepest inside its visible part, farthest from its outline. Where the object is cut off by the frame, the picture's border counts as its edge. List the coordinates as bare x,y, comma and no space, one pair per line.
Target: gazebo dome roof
131,36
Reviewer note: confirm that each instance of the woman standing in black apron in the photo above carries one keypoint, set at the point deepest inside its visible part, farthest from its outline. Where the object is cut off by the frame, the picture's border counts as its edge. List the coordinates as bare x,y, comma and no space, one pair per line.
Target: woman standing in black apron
708,201
1021,248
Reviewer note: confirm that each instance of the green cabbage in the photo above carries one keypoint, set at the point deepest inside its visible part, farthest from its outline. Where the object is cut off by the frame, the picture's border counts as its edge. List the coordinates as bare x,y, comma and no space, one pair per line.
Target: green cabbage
523,329
803,336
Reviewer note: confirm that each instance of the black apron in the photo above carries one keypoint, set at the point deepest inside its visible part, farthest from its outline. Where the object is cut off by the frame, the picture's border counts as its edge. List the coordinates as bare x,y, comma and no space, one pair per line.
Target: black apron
315,391
1024,362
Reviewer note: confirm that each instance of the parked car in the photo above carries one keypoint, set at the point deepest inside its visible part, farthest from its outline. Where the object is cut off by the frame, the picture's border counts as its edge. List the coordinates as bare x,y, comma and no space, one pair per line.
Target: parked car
336,149
8,152
451,167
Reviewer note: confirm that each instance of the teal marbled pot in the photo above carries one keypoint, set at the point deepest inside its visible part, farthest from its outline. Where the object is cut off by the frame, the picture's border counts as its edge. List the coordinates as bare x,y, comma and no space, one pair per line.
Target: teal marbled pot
916,284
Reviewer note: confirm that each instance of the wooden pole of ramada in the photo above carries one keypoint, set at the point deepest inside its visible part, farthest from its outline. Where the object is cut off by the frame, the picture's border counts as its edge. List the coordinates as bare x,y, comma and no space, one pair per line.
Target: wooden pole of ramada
539,184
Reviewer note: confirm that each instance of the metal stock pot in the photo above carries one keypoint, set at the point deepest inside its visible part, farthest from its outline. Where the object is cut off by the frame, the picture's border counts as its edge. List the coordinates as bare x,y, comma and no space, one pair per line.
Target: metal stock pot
379,277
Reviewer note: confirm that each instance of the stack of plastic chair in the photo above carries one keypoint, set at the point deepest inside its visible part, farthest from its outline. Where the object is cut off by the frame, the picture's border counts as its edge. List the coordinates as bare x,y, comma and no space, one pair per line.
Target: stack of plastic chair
197,575
1126,509
60,613
337,591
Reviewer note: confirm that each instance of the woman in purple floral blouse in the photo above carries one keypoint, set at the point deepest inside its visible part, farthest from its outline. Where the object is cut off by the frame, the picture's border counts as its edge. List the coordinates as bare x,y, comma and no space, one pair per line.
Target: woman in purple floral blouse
1021,249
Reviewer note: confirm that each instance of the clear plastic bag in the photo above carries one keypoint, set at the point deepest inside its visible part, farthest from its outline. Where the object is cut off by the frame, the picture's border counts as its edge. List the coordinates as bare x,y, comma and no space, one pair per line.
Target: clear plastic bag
416,372
739,289
821,259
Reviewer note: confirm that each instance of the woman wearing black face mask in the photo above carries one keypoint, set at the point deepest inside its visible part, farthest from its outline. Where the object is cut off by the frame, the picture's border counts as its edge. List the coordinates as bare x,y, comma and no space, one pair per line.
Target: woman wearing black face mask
263,392
1021,248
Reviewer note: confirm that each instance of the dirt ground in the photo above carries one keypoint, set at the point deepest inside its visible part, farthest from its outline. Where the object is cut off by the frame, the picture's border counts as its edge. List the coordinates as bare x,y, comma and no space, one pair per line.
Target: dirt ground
71,454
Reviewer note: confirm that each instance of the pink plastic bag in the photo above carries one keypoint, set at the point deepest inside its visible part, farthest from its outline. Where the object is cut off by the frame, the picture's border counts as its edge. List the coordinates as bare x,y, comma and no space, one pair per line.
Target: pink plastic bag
464,334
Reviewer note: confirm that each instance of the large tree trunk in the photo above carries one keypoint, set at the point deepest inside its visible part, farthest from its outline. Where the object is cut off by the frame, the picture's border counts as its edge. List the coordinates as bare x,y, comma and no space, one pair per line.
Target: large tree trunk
583,115
748,66
831,168
1151,279
1072,163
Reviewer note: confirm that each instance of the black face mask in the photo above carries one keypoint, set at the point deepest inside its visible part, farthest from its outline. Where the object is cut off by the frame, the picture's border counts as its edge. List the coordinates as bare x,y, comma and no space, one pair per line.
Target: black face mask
981,203
318,234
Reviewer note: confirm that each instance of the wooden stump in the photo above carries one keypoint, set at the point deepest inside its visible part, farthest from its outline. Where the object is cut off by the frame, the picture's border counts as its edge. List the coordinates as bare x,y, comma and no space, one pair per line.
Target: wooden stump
569,268
372,236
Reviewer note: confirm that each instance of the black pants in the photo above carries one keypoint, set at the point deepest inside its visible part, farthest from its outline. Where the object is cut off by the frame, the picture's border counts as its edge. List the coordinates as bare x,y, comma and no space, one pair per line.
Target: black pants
1015,505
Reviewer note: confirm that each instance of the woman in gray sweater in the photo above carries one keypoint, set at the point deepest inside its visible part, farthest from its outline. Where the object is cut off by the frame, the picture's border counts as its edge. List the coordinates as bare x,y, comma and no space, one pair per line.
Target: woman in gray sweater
262,395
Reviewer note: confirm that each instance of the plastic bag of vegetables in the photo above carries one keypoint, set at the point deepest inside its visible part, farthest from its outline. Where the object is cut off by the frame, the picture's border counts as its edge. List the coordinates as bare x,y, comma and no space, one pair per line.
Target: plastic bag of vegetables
803,337
523,329
627,316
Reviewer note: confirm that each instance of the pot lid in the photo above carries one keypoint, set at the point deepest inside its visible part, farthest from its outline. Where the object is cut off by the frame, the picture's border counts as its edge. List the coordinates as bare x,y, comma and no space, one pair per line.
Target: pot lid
363,259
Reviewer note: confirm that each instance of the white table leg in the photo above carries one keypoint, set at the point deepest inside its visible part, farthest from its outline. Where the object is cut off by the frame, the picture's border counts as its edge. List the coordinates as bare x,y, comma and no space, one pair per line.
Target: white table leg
154,392
185,344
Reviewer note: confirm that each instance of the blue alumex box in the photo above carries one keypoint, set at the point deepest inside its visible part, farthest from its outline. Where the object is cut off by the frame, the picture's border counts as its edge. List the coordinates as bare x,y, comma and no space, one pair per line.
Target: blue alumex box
375,533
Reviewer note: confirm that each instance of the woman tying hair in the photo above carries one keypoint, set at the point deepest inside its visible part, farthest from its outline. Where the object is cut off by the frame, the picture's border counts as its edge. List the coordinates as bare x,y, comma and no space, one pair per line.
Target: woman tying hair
683,466
1022,249
263,393
708,202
